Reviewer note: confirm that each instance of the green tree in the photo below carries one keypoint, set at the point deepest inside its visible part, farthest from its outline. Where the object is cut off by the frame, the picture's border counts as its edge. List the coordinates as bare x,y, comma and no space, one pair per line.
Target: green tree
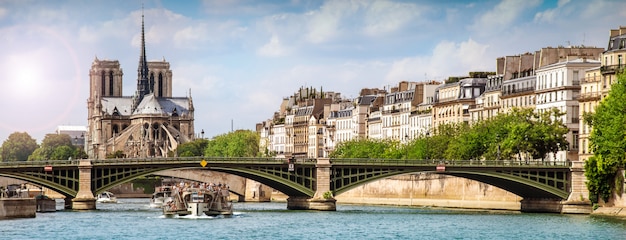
18,147
62,152
240,143
607,141
192,149
49,145
368,148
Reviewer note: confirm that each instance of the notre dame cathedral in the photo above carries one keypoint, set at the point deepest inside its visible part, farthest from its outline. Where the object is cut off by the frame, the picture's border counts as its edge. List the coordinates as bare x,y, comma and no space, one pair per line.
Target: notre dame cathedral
151,123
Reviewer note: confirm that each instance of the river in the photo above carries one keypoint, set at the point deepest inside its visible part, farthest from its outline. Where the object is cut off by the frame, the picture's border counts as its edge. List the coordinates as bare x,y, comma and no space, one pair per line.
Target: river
134,219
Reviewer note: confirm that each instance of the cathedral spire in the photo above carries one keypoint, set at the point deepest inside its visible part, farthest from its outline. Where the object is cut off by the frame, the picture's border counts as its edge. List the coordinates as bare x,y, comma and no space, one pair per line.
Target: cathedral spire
143,87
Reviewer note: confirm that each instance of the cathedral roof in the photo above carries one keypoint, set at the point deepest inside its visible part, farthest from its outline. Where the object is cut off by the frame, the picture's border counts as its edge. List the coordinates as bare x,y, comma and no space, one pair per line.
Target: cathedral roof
117,105
149,105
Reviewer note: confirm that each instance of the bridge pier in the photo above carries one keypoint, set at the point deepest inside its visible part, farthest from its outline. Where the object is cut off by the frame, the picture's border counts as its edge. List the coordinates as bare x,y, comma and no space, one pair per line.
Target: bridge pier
578,200
84,199
323,199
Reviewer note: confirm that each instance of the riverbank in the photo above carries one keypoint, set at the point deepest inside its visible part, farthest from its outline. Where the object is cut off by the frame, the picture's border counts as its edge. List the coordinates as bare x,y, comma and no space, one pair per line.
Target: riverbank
610,211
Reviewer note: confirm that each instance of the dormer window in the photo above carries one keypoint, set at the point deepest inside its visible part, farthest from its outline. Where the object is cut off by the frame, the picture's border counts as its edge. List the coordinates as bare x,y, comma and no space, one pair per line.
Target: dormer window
175,113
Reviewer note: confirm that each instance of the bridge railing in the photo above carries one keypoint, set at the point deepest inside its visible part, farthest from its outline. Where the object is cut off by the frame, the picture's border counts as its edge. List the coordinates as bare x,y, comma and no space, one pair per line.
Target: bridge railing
249,160
431,162
39,163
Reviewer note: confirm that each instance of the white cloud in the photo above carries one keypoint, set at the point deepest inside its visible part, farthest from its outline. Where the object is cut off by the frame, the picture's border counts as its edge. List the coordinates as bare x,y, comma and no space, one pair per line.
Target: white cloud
273,48
382,17
502,16
551,15
3,12
447,59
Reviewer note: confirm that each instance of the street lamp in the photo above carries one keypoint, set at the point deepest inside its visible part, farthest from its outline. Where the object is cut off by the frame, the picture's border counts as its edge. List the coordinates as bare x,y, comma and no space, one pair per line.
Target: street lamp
202,133
498,150
558,147
426,150
406,146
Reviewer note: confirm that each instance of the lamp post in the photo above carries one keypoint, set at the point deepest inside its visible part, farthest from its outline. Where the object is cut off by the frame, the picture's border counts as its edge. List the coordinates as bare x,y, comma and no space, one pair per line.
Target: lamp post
558,147
202,133
426,143
406,146
526,149
498,150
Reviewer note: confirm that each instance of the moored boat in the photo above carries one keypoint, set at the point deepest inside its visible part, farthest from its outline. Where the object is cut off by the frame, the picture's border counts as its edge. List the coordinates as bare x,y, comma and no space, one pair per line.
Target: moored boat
161,195
198,202
45,203
106,197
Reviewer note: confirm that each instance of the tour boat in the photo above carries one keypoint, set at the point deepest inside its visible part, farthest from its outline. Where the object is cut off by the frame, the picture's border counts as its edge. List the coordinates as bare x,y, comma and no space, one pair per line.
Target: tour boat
106,197
198,202
160,196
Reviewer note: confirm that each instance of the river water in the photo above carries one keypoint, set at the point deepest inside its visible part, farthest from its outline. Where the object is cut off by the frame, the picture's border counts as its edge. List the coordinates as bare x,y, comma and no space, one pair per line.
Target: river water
134,219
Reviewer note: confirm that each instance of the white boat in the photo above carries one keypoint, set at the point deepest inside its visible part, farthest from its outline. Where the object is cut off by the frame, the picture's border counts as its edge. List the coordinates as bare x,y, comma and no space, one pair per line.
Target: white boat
198,202
106,197
161,195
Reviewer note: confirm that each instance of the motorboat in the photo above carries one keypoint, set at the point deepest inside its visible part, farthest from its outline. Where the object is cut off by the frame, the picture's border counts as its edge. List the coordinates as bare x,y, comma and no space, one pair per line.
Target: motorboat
161,195
106,197
199,202
45,203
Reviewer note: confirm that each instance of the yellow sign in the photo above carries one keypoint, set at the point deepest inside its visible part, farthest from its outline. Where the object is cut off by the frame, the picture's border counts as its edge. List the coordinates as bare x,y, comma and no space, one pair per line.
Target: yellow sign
203,163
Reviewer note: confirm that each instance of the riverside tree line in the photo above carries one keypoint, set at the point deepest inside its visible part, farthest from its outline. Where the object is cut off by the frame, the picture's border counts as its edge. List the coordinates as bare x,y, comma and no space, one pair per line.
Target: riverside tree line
520,135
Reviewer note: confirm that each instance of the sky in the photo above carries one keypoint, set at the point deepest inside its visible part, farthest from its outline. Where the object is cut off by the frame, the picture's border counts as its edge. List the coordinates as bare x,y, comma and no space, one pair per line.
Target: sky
239,58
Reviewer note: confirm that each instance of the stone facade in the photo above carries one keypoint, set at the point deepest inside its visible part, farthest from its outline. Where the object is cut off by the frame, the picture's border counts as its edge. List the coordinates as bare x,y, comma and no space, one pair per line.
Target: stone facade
150,123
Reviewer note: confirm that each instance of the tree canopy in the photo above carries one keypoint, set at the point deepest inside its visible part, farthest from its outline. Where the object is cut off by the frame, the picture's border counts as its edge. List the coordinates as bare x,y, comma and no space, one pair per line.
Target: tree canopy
607,141
57,147
18,147
240,143
506,136
192,149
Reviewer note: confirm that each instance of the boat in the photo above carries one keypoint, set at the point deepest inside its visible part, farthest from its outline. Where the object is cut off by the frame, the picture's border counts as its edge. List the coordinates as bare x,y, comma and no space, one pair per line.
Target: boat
199,202
161,195
106,197
45,203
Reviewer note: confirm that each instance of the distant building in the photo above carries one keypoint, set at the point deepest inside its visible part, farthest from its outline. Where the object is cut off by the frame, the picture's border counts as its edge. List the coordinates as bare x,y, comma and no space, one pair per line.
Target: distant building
597,82
76,133
558,86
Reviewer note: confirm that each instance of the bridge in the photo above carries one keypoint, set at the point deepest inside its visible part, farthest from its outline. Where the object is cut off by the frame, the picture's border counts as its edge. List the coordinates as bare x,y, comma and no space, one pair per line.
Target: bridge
310,183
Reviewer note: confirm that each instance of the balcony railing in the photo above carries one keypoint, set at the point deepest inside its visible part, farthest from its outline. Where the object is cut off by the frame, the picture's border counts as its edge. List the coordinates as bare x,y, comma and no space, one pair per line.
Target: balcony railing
589,96
612,69
592,79
517,91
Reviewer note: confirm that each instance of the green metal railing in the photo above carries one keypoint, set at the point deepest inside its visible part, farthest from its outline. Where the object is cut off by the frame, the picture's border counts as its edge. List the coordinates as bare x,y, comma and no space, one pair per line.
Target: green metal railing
458,163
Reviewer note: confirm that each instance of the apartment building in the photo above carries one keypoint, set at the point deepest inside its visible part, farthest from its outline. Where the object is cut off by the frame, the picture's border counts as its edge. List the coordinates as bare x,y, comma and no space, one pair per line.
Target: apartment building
590,95
453,100
558,86
597,83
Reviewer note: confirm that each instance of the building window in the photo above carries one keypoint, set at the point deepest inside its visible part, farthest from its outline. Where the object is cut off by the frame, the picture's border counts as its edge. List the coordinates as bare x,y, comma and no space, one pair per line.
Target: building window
110,83
103,84
160,85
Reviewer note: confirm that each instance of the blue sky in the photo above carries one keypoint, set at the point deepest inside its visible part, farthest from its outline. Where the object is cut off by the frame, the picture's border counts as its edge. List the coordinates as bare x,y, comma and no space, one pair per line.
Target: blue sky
239,58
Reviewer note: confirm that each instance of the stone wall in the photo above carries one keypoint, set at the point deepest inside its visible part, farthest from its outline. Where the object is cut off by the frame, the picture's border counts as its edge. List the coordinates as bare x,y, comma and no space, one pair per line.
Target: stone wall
427,189
17,208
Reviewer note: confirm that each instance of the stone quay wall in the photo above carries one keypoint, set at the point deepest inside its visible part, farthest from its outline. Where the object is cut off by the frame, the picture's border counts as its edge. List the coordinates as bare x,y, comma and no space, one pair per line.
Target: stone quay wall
17,208
427,189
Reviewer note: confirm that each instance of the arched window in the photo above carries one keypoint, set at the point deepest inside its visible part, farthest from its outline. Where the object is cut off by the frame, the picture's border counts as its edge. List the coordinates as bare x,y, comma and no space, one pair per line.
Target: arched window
116,129
111,83
151,83
102,84
160,86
